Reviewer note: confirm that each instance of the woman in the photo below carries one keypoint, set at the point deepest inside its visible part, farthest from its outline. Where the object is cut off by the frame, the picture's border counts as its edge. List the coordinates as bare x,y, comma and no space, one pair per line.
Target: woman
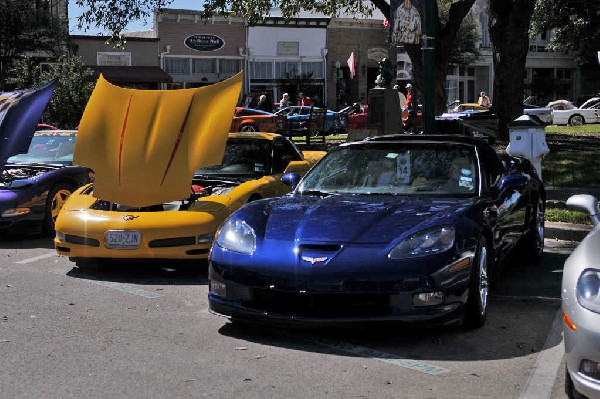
285,100
484,100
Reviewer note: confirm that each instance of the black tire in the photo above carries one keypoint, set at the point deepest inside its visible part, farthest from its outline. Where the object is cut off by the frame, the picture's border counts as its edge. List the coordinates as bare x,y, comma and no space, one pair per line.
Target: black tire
576,120
54,203
533,243
248,128
477,300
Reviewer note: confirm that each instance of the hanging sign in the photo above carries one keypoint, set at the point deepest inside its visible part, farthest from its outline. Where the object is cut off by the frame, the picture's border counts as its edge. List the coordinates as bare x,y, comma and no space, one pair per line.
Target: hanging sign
204,42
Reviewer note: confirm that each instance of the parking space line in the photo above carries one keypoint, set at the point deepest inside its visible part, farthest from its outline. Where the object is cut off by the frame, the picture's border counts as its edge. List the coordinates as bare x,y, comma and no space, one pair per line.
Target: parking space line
36,258
540,383
361,351
117,286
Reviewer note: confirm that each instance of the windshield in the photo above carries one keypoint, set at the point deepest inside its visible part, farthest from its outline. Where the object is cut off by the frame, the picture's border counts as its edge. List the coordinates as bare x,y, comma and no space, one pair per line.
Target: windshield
242,158
49,149
400,168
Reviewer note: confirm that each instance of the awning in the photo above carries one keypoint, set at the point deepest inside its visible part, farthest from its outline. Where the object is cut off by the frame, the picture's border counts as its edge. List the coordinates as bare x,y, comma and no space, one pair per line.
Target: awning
132,74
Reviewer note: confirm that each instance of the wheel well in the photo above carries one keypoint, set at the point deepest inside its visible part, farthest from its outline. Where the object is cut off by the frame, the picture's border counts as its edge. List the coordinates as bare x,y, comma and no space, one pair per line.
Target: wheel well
574,115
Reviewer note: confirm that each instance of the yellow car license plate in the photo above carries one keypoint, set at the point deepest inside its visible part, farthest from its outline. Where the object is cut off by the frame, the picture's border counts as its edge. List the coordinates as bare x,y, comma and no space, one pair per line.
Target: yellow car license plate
123,239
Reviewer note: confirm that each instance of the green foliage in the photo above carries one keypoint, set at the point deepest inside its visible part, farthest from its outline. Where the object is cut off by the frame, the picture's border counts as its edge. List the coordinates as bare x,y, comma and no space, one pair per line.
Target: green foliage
575,25
75,85
28,27
567,216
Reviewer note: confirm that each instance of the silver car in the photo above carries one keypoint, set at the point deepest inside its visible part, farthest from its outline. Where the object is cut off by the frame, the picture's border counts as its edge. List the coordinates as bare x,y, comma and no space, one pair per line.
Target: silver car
581,307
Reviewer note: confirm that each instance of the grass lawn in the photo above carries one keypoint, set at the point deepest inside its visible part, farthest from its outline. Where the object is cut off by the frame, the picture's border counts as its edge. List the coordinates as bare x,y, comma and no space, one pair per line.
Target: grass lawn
593,128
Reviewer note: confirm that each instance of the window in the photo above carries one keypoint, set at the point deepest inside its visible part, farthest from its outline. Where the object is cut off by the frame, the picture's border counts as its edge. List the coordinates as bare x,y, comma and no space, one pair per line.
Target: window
177,65
204,65
314,69
286,69
229,66
485,35
261,70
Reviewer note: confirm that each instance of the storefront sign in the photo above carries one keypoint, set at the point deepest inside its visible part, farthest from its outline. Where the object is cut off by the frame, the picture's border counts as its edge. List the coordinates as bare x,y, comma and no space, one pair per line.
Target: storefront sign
204,42
288,48
113,59
377,54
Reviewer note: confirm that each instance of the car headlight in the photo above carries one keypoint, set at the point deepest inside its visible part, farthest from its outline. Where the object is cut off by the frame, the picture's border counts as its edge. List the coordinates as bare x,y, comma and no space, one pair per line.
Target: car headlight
425,243
588,290
237,236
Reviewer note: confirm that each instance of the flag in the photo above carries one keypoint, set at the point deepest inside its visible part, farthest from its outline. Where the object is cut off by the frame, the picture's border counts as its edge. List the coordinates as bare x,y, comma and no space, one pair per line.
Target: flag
351,65
20,112
386,23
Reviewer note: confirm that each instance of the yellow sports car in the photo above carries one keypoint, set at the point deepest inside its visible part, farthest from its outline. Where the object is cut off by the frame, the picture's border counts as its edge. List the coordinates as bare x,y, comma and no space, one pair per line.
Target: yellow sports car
253,163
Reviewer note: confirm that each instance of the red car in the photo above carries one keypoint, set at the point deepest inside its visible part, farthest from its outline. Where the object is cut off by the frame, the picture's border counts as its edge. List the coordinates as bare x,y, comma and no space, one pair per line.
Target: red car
358,120
254,120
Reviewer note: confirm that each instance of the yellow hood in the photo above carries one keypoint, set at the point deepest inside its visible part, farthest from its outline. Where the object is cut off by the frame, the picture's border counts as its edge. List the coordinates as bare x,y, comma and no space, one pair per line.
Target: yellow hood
145,145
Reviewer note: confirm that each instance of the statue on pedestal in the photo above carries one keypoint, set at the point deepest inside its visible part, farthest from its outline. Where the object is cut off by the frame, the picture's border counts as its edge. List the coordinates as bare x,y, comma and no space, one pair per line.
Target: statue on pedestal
385,76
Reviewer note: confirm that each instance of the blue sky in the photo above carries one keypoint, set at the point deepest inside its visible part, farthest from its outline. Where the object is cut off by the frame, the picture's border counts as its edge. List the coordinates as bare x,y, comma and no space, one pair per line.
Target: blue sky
75,11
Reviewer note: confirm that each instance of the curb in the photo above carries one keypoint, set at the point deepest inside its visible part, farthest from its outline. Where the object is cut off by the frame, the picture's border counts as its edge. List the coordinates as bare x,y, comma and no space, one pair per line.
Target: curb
566,231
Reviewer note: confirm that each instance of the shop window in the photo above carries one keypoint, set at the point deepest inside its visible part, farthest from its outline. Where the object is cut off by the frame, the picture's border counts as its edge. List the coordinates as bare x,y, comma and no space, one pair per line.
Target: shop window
204,65
286,70
261,70
177,66
314,69
229,66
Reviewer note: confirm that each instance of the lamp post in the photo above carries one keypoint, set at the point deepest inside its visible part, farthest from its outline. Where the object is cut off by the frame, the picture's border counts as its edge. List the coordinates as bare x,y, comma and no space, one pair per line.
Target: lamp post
337,84
428,51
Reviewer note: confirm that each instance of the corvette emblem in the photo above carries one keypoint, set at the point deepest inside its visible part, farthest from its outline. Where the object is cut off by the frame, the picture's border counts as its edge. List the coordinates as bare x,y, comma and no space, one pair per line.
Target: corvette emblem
314,260
130,217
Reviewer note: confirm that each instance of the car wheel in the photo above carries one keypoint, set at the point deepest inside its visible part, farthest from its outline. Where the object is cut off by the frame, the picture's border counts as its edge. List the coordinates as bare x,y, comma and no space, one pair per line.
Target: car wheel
477,301
576,120
534,242
248,128
54,203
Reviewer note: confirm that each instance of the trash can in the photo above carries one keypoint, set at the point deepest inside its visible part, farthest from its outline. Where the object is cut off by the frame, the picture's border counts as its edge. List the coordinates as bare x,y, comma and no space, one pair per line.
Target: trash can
528,140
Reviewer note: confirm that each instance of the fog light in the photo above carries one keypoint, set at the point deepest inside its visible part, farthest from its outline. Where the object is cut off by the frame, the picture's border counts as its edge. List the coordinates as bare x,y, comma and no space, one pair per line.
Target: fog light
218,288
206,238
428,298
15,212
590,369
60,236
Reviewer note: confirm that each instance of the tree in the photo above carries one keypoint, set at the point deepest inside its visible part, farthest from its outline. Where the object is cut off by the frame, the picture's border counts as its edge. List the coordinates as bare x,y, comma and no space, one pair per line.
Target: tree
28,28
71,94
509,32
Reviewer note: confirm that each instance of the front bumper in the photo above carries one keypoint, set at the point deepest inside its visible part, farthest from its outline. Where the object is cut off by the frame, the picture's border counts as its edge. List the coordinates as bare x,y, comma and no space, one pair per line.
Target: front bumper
580,345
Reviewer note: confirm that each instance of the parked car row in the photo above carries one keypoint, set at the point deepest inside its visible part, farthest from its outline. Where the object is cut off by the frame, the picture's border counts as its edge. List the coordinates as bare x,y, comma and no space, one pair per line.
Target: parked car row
563,112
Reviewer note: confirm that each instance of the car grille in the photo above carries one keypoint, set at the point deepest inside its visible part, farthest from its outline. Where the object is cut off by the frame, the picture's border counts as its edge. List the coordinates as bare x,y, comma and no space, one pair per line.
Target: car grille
319,305
91,242
172,242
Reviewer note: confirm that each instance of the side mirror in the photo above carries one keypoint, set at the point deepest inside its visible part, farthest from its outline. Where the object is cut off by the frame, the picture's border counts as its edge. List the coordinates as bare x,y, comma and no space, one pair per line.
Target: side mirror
587,203
291,179
513,181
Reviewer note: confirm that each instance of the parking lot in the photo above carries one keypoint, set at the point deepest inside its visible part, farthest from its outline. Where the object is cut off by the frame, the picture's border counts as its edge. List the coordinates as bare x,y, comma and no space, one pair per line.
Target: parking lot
144,330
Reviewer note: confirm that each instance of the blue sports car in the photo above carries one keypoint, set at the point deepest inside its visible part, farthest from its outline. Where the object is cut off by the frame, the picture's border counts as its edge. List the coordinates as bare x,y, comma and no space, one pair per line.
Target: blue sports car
401,228
298,116
35,185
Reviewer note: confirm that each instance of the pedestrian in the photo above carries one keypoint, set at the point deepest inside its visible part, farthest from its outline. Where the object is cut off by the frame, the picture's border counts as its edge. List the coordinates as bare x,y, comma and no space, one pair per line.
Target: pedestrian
285,100
408,102
305,100
263,104
484,100
401,97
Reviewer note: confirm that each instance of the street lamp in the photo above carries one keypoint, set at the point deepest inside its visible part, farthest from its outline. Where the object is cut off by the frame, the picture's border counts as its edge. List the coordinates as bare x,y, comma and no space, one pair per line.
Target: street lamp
338,78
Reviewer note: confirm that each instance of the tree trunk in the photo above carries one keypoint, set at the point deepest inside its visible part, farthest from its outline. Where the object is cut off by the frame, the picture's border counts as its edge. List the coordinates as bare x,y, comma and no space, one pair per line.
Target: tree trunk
509,27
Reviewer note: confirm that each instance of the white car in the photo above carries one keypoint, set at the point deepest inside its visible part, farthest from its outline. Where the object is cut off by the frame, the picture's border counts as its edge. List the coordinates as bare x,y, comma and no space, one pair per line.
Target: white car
588,112
580,295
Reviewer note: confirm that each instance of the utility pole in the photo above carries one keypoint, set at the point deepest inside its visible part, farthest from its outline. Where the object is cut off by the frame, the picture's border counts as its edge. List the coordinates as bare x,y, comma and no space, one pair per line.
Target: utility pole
428,50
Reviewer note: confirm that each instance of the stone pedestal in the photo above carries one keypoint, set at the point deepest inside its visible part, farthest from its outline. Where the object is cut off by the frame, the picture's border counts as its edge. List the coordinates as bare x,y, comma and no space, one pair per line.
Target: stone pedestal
384,111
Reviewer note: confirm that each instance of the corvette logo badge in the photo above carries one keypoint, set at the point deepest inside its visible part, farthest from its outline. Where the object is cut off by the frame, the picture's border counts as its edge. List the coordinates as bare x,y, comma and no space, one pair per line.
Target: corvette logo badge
314,260
130,217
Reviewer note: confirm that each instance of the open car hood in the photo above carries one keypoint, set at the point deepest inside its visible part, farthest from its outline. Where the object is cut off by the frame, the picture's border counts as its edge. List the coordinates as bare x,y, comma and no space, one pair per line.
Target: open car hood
145,145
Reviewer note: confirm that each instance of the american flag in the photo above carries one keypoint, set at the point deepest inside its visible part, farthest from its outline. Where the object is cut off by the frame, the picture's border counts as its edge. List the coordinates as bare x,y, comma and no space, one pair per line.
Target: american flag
351,65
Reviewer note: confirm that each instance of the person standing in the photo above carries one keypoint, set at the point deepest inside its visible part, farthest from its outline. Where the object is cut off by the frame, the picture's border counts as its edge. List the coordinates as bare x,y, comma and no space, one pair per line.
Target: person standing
484,100
263,104
408,103
285,100
305,100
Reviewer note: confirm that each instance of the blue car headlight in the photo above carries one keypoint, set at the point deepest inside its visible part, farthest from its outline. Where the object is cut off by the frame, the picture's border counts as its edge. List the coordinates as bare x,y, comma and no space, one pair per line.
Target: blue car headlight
236,235
424,243
588,290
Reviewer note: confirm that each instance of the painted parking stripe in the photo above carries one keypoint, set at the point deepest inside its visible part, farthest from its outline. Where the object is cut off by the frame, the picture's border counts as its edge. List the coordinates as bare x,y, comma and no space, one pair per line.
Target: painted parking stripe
36,258
117,286
416,365
540,383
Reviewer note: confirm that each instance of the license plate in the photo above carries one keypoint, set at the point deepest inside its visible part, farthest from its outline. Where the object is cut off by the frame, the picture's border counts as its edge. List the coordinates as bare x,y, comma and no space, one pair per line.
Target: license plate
123,239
